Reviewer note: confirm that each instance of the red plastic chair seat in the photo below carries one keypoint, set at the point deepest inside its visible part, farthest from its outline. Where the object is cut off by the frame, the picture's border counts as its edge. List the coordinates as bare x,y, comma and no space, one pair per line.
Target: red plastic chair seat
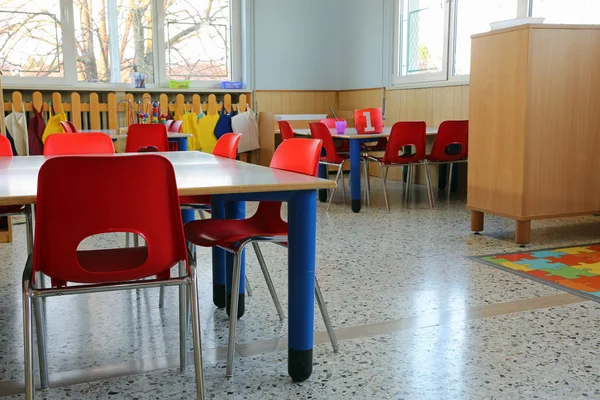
11,209
334,159
226,233
401,160
112,260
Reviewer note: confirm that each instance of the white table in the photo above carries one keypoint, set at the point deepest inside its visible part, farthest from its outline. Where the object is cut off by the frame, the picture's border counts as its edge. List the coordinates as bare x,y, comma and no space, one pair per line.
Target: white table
230,183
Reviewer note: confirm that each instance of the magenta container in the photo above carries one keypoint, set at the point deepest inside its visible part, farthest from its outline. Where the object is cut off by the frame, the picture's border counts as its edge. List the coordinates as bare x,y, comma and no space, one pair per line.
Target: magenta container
340,126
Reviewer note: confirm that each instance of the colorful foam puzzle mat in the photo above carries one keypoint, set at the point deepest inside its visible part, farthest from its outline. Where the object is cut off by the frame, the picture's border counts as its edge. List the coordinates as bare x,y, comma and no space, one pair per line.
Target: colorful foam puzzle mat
573,269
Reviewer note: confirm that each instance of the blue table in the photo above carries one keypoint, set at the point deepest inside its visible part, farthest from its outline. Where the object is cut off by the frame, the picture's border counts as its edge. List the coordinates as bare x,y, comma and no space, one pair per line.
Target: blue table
356,140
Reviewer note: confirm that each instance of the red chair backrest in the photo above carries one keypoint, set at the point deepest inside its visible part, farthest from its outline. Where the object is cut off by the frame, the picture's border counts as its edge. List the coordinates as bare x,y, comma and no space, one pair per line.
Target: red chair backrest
144,135
285,130
451,133
5,148
406,133
294,155
319,130
168,124
62,144
227,145
330,122
78,197
176,126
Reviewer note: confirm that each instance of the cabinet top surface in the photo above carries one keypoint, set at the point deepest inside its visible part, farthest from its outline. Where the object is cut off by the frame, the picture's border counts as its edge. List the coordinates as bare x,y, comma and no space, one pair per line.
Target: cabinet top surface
537,26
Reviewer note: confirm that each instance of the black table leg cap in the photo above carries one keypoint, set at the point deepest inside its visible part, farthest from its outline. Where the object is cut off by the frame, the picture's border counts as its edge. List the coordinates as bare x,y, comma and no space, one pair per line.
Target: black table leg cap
300,364
219,295
356,206
241,304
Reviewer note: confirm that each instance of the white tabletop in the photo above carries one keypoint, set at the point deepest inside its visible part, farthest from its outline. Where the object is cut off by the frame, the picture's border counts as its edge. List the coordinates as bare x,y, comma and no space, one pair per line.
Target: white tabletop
197,173
114,135
352,134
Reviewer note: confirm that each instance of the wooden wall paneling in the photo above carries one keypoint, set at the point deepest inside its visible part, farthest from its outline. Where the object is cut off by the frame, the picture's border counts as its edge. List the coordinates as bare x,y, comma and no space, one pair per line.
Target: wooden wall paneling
286,103
263,101
179,106
76,110
457,102
94,115
243,103
320,106
266,129
442,105
197,104
298,102
275,103
311,107
330,99
465,102
113,121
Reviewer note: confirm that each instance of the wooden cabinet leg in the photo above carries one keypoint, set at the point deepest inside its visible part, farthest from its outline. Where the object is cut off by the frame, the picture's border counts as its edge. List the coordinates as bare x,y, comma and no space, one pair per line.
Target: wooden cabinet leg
523,232
476,221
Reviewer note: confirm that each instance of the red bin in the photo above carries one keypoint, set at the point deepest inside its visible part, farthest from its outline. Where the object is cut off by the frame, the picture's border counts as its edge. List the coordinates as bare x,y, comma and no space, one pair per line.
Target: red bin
368,120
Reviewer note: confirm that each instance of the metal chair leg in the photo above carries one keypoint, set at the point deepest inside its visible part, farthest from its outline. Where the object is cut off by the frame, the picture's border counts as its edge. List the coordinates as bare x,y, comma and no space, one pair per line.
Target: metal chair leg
29,228
182,319
449,185
248,288
337,177
407,184
28,341
127,239
161,297
233,311
265,271
196,335
325,314
367,183
385,196
40,327
343,185
430,194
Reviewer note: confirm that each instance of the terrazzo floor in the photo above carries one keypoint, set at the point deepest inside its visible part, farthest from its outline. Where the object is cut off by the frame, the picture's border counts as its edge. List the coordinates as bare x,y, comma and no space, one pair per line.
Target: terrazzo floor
416,319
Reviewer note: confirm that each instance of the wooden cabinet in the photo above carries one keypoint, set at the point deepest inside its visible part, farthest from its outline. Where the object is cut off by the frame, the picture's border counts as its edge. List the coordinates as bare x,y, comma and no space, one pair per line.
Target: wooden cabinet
534,134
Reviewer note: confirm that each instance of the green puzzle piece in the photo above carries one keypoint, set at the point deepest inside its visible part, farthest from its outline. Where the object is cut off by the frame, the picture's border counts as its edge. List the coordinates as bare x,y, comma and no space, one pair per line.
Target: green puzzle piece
568,272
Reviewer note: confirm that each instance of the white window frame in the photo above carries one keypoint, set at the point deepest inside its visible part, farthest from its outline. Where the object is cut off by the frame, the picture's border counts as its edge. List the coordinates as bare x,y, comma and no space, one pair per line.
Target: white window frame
69,53
447,77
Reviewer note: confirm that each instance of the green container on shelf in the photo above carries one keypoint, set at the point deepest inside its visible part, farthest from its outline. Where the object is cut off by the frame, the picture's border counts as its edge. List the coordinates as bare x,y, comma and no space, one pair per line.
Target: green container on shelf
173,84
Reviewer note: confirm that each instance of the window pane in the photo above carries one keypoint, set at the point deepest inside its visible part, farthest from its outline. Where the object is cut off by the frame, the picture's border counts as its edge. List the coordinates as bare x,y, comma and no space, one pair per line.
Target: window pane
113,31
567,12
198,39
475,16
30,37
423,25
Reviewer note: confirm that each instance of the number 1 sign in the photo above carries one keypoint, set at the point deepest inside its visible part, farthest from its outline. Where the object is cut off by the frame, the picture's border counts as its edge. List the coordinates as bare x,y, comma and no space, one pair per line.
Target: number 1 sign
368,120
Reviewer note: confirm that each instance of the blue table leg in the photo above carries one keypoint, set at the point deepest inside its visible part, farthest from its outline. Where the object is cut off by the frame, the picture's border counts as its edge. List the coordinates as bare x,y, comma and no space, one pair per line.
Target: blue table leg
302,218
182,143
218,259
323,174
235,210
355,175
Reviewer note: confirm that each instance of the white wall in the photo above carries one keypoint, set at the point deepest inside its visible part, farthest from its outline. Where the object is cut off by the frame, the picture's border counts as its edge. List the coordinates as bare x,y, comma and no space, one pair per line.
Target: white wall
297,44
365,61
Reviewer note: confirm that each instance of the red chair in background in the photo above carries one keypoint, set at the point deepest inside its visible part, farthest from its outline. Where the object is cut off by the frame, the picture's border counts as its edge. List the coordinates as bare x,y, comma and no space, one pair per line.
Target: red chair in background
176,126
86,188
451,145
78,143
168,124
266,225
26,209
68,127
285,130
144,135
319,130
405,135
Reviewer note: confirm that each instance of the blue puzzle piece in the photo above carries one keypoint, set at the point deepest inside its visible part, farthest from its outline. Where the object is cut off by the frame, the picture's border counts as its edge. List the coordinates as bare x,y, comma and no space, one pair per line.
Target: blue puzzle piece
596,293
547,253
541,263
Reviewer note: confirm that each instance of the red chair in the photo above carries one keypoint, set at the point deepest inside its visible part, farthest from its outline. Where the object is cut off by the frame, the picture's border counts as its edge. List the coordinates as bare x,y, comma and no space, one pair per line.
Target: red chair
9,211
319,130
144,135
86,188
176,126
78,143
296,155
68,127
451,145
168,124
403,135
285,130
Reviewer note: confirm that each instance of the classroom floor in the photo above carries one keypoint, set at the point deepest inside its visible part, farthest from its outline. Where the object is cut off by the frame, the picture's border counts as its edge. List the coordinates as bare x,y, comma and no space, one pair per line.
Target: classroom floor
415,318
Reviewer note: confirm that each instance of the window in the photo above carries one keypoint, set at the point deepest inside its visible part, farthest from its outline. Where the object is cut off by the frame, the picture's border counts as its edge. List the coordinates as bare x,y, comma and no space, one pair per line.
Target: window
107,41
423,37
429,48
471,17
567,12
30,38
